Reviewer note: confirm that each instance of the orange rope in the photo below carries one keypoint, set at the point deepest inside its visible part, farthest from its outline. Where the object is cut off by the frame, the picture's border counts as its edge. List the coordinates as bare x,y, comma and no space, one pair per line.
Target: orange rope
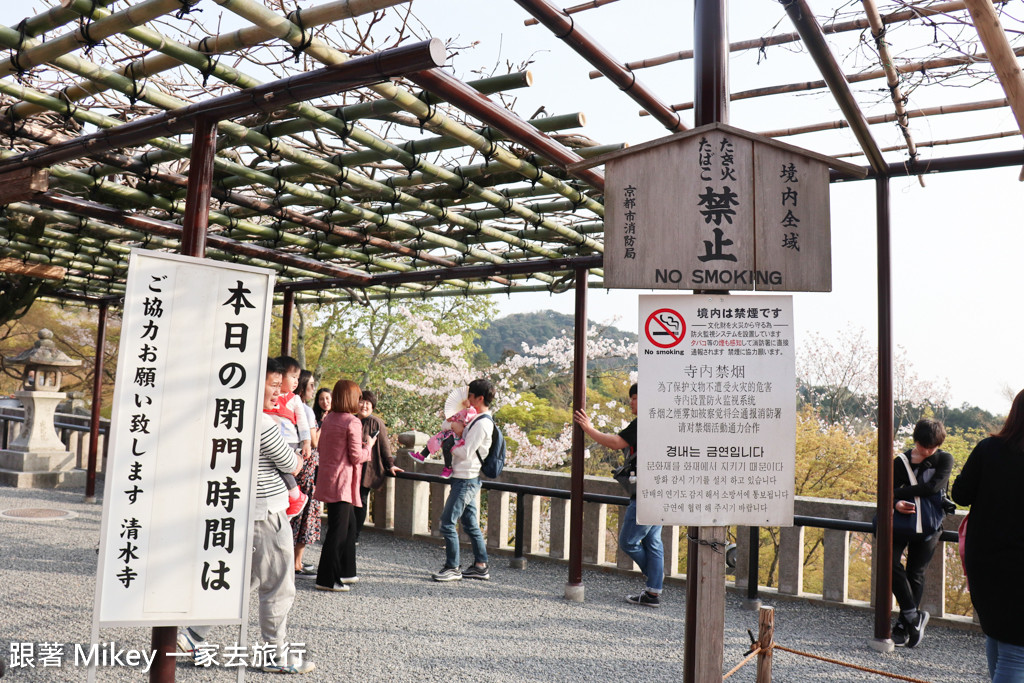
756,652
851,666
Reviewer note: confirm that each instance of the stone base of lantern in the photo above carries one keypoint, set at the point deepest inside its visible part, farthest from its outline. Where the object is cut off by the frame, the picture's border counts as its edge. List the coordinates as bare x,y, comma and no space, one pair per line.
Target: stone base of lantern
40,469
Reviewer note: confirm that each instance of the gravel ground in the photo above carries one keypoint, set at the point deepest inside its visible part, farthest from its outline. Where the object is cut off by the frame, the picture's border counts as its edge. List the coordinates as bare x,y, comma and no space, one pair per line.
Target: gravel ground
398,625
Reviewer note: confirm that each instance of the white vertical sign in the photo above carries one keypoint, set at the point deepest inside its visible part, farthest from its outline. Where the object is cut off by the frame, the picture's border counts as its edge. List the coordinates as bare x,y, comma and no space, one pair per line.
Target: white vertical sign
716,410
181,469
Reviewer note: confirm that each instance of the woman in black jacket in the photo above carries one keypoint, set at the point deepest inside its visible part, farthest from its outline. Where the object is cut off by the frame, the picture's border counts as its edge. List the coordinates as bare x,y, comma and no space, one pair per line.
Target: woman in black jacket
990,483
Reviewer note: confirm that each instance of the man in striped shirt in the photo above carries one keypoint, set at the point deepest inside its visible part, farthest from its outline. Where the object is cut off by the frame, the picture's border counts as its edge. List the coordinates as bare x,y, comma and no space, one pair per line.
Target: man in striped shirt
272,563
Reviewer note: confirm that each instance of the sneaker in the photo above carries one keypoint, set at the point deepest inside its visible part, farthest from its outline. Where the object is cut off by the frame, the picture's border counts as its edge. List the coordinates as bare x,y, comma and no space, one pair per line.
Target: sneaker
337,588
447,574
306,571
350,579
646,599
899,633
188,641
446,472
297,505
294,665
475,572
419,455
306,567
916,632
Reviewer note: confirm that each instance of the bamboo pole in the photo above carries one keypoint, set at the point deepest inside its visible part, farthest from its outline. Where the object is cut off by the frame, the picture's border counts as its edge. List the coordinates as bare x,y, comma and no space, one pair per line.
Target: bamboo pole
1003,56
887,118
290,33
87,34
382,108
122,163
783,38
156,41
803,19
25,93
436,143
314,163
122,193
892,79
910,67
593,4
477,170
55,17
939,143
214,45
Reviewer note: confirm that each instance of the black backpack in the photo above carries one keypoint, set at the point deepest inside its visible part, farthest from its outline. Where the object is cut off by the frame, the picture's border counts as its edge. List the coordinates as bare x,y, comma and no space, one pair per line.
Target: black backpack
494,463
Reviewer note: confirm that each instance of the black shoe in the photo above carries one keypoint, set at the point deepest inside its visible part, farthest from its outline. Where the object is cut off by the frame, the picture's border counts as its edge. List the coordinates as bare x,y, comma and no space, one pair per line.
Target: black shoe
447,574
475,572
916,631
646,599
899,633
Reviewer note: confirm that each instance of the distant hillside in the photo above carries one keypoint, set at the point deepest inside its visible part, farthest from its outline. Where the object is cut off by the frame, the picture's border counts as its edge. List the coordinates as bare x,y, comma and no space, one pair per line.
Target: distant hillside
509,333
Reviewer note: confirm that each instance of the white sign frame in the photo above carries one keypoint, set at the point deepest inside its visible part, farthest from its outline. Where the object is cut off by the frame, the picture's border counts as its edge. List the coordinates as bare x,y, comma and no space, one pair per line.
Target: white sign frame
215,314
716,410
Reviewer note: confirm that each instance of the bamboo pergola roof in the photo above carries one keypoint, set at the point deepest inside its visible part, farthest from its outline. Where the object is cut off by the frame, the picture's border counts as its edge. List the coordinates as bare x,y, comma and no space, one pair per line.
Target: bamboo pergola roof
420,184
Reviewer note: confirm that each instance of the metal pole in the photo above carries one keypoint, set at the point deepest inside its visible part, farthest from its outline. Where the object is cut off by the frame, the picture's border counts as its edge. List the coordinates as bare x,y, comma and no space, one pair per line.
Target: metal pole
883,546
520,523
286,322
193,243
97,388
574,588
753,562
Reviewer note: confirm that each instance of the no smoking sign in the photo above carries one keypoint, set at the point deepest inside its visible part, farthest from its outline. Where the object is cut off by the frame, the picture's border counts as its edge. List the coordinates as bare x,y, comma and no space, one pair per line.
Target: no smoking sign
665,328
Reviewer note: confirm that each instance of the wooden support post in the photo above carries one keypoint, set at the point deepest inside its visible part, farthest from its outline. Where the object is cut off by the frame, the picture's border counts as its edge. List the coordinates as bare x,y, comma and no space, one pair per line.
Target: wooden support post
97,389
193,243
574,586
287,308
883,539
709,634
765,638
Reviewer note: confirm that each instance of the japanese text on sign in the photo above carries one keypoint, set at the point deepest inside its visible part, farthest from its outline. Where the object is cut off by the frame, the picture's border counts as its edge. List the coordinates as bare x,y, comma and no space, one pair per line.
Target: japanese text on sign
716,414
184,436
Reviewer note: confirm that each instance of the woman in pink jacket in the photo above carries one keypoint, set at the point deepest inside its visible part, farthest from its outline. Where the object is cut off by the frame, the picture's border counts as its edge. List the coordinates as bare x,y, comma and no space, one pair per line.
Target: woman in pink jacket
342,454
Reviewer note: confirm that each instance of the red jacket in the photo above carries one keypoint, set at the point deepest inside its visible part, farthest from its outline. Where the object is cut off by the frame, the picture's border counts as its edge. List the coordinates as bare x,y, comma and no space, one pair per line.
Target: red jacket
342,453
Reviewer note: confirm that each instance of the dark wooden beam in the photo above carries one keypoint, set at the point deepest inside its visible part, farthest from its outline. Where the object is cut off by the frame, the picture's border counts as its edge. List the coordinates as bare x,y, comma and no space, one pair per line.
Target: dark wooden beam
22,184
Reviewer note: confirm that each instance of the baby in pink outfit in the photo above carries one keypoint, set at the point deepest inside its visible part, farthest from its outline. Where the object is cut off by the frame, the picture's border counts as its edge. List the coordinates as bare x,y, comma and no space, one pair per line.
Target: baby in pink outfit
447,439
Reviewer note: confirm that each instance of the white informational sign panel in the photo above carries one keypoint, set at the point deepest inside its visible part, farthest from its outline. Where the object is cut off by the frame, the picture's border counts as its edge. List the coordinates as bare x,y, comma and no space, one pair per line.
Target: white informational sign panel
716,410
184,434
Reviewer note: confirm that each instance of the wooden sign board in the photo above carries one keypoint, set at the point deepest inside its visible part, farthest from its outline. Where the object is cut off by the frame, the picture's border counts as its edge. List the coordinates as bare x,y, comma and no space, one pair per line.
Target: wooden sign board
718,208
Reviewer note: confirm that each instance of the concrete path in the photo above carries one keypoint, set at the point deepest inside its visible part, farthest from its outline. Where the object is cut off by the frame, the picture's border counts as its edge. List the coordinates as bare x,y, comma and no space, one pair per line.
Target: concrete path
398,625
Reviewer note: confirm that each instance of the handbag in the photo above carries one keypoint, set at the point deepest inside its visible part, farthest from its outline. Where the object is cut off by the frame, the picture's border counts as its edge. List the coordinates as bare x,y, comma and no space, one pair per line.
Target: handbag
625,473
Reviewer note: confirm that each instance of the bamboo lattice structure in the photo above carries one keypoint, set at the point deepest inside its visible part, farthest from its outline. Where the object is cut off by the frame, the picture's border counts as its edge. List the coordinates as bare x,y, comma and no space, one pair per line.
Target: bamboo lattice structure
413,186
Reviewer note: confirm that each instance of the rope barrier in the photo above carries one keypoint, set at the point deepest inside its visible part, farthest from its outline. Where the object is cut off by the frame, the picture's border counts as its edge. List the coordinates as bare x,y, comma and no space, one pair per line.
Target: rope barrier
898,677
756,652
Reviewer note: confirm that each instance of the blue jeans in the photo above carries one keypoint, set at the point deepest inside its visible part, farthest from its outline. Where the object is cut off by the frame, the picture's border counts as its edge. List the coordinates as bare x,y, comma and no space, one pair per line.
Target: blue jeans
1005,661
643,544
461,504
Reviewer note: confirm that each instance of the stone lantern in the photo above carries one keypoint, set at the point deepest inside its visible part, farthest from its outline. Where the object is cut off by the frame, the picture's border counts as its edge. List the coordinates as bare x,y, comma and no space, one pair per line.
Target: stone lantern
37,457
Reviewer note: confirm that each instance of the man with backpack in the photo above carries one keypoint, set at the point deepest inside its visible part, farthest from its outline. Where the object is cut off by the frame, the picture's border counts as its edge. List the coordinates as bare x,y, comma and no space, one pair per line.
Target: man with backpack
467,461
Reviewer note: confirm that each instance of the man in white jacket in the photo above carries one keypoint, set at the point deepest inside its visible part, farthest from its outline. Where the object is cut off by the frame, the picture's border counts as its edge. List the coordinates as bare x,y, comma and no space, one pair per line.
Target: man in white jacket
465,485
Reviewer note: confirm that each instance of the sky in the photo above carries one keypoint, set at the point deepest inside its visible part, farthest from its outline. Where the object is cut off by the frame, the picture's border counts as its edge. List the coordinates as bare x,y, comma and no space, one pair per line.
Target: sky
956,242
